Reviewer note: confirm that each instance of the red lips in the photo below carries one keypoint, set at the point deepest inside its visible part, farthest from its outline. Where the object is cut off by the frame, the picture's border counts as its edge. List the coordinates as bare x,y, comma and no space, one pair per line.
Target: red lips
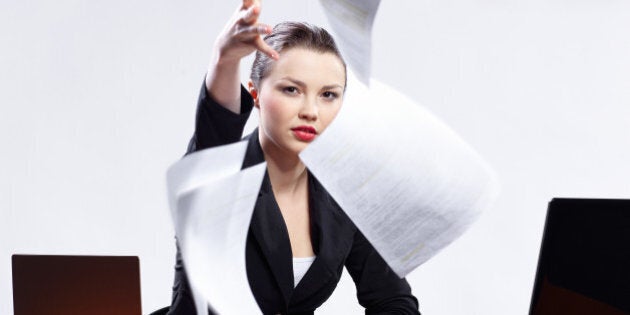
304,133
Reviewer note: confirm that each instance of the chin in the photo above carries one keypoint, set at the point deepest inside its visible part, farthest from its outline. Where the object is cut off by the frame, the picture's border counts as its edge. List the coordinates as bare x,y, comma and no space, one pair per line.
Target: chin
295,149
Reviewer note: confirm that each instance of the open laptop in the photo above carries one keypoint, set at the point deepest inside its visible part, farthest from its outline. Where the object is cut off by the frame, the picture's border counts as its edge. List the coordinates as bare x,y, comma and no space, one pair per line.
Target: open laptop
44,284
584,262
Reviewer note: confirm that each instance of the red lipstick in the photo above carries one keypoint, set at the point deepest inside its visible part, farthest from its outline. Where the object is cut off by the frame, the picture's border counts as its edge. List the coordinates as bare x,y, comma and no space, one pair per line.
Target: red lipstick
304,133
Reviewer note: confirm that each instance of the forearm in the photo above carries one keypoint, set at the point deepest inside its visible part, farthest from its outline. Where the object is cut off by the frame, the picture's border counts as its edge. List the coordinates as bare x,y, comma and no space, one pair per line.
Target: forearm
223,82
240,38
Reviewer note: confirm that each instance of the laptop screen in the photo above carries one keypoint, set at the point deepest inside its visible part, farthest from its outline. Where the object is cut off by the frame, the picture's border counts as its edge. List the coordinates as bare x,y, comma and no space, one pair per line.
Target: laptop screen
584,263
44,284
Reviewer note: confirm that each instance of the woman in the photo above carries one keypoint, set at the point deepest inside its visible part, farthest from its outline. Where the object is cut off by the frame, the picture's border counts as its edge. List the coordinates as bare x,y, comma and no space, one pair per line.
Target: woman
299,239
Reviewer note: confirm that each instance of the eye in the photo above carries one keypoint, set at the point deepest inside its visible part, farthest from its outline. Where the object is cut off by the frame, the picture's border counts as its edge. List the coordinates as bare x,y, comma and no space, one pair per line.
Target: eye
330,95
290,90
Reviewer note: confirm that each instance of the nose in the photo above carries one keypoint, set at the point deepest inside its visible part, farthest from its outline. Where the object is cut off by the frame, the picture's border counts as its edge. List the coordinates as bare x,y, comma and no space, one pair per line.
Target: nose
309,110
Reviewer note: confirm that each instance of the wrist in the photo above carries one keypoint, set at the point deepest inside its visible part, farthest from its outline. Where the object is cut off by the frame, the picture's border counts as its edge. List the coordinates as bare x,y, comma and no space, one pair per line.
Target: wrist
225,61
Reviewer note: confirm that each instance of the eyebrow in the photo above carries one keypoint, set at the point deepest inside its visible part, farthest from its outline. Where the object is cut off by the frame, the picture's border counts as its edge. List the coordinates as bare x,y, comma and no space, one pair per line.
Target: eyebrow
302,84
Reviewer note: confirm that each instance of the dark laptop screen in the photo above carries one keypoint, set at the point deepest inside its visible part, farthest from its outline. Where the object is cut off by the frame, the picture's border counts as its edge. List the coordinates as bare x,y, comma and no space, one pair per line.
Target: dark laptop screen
76,285
584,263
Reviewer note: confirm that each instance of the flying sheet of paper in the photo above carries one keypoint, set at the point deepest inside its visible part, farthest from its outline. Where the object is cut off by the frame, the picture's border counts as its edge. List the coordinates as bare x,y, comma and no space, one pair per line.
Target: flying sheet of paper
201,167
214,221
351,21
407,181
206,188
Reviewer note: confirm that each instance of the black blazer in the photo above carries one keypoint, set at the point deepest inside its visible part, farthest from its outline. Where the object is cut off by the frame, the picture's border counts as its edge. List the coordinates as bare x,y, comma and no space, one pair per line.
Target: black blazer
336,240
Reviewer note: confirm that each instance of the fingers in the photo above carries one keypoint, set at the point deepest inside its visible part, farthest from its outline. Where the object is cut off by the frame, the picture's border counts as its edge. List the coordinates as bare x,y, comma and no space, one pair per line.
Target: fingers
253,30
244,34
247,3
266,49
250,15
252,35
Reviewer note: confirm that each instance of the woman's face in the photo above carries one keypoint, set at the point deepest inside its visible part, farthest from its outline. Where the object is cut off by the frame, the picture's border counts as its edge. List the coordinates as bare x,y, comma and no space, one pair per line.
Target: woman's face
298,99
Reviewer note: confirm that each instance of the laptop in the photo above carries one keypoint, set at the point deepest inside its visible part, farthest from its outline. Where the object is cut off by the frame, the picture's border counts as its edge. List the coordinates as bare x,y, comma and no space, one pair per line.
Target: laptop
584,261
45,284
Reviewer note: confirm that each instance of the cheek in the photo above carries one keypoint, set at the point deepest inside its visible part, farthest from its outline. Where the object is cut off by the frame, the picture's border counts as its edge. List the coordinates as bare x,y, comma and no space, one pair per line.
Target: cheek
328,115
273,110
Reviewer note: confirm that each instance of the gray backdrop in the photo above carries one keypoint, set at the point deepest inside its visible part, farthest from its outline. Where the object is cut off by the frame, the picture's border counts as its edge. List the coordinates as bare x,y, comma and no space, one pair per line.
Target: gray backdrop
97,99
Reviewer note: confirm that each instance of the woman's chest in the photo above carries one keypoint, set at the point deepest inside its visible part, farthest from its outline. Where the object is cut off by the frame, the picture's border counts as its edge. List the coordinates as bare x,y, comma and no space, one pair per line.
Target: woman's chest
295,212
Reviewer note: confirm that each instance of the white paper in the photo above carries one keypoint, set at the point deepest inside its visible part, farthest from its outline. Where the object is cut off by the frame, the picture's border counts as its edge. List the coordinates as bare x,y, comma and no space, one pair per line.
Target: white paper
407,181
351,21
201,167
214,221
193,184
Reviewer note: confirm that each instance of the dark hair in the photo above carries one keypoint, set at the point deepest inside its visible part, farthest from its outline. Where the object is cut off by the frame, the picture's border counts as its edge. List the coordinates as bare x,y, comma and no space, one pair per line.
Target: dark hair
290,35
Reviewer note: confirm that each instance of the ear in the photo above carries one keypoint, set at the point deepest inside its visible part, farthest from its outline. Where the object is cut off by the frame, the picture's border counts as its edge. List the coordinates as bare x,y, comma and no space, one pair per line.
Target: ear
253,92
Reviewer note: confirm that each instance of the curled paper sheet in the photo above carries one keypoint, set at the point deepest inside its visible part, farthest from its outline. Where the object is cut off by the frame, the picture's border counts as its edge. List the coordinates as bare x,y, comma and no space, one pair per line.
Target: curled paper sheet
202,167
213,239
407,181
212,202
351,21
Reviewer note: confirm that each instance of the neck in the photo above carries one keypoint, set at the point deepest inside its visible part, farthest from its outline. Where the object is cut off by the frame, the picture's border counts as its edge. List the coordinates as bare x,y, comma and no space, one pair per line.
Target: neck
287,173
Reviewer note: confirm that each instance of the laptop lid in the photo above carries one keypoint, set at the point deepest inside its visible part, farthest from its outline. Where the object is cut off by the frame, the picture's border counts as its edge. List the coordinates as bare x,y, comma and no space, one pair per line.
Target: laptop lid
584,261
45,284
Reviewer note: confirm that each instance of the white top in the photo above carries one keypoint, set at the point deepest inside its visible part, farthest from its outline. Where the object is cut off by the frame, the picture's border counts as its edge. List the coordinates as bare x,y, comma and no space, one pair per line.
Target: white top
300,266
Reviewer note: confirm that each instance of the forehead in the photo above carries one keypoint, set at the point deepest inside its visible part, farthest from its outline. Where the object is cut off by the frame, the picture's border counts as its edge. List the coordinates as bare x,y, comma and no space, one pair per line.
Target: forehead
308,66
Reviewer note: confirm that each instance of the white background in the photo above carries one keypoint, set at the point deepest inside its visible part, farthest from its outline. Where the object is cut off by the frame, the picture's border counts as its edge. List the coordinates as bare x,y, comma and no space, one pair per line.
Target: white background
97,99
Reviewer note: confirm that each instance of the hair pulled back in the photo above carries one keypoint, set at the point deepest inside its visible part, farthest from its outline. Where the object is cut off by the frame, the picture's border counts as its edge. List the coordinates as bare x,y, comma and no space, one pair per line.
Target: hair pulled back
287,35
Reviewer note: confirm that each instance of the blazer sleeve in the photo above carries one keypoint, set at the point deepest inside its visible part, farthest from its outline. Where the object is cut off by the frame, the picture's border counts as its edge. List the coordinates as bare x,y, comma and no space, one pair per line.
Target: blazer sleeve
182,301
379,289
214,126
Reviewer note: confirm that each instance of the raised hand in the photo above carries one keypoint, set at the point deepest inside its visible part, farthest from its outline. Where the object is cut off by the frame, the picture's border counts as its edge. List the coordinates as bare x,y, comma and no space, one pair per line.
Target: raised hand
240,37
242,34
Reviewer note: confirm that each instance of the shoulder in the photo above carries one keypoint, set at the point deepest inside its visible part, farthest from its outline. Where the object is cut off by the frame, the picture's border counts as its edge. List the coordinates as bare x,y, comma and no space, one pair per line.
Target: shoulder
253,154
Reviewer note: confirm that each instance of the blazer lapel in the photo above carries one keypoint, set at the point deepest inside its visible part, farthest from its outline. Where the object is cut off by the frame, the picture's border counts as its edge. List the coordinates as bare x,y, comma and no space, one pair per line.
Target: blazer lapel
268,226
332,235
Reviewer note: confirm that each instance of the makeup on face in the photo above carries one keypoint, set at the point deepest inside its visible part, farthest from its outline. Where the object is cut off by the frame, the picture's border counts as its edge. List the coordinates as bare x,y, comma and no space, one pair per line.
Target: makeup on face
299,98
305,133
